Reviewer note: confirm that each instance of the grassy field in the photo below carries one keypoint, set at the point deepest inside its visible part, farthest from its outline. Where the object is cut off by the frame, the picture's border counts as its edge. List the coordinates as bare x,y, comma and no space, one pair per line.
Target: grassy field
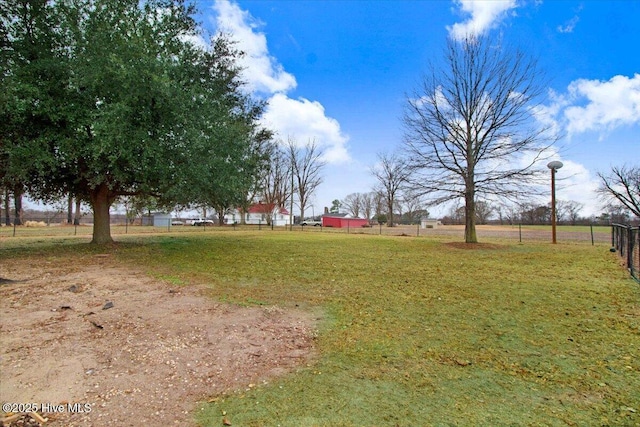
418,331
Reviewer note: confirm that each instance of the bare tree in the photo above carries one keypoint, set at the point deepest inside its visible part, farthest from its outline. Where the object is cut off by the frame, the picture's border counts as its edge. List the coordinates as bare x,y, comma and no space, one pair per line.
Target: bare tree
508,212
413,206
456,214
368,204
391,173
535,214
307,166
378,204
353,204
275,189
623,186
471,129
568,211
484,210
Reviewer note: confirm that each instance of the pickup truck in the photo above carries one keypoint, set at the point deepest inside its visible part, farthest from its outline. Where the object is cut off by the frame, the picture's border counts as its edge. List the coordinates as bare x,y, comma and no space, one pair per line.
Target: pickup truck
311,222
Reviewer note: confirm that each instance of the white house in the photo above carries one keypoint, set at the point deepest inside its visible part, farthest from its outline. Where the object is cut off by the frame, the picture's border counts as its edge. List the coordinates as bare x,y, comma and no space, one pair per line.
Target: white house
260,213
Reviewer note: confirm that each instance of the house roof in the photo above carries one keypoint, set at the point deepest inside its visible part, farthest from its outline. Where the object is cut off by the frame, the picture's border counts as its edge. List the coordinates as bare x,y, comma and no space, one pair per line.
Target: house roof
266,208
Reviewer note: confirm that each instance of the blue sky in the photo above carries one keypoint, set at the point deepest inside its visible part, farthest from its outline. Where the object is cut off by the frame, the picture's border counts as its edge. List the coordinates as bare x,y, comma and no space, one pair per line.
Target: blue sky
340,72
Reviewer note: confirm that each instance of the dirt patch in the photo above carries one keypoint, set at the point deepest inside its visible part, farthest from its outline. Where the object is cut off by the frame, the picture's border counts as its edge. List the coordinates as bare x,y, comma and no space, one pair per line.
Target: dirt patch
475,246
129,350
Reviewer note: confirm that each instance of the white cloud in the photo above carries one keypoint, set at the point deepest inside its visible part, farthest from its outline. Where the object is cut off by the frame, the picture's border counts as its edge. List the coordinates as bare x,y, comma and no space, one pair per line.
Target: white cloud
305,120
569,25
605,104
484,15
301,119
261,71
548,115
576,183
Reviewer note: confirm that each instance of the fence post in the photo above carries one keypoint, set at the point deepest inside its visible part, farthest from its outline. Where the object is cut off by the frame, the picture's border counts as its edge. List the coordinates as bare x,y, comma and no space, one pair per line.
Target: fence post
520,231
418,232
629,248
14,229
591,225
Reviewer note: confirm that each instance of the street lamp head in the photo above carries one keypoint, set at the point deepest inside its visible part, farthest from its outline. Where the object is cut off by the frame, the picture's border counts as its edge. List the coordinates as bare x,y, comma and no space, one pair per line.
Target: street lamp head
555,165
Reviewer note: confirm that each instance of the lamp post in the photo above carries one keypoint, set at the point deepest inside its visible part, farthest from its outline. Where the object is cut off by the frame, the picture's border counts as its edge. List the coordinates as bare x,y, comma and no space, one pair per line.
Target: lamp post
554,166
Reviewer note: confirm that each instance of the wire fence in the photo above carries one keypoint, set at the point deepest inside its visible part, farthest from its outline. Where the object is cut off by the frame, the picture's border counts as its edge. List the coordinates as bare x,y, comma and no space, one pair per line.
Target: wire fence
625,240
37,227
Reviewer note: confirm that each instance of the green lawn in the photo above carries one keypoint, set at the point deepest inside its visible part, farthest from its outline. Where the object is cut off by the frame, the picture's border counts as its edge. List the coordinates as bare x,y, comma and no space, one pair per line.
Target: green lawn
416,332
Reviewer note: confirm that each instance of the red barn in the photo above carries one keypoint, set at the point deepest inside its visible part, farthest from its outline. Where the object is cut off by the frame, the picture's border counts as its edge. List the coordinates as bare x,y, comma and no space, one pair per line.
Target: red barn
343,222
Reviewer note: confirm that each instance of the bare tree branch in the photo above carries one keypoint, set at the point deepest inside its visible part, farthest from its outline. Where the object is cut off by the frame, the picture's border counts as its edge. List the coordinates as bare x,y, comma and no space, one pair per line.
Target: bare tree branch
392,173
622,185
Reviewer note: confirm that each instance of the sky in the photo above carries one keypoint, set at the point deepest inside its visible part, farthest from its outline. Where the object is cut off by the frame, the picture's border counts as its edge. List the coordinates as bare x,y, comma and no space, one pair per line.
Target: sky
340,73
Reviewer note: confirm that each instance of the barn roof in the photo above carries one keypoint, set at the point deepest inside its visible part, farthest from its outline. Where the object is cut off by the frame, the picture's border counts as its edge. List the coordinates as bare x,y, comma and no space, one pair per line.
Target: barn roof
336,215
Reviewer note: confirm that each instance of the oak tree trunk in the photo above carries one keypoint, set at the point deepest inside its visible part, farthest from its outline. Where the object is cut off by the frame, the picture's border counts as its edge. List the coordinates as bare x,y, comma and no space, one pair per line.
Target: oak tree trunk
7,208
70,209
17,200
76,218
100,203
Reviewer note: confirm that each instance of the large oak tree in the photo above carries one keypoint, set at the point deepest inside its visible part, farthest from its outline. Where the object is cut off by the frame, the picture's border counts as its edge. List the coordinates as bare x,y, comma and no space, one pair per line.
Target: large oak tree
121,103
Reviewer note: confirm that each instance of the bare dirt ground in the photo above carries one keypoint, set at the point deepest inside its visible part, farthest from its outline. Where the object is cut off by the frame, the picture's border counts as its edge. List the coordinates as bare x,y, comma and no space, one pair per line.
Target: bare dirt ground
130,350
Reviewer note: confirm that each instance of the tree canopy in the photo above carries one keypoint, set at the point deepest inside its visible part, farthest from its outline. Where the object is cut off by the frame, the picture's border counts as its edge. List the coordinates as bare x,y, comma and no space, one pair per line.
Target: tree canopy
108,98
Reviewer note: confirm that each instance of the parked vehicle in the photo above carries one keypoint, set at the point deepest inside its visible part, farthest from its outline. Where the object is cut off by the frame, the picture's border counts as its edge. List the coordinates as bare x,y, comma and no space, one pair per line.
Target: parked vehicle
311,222
202,222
